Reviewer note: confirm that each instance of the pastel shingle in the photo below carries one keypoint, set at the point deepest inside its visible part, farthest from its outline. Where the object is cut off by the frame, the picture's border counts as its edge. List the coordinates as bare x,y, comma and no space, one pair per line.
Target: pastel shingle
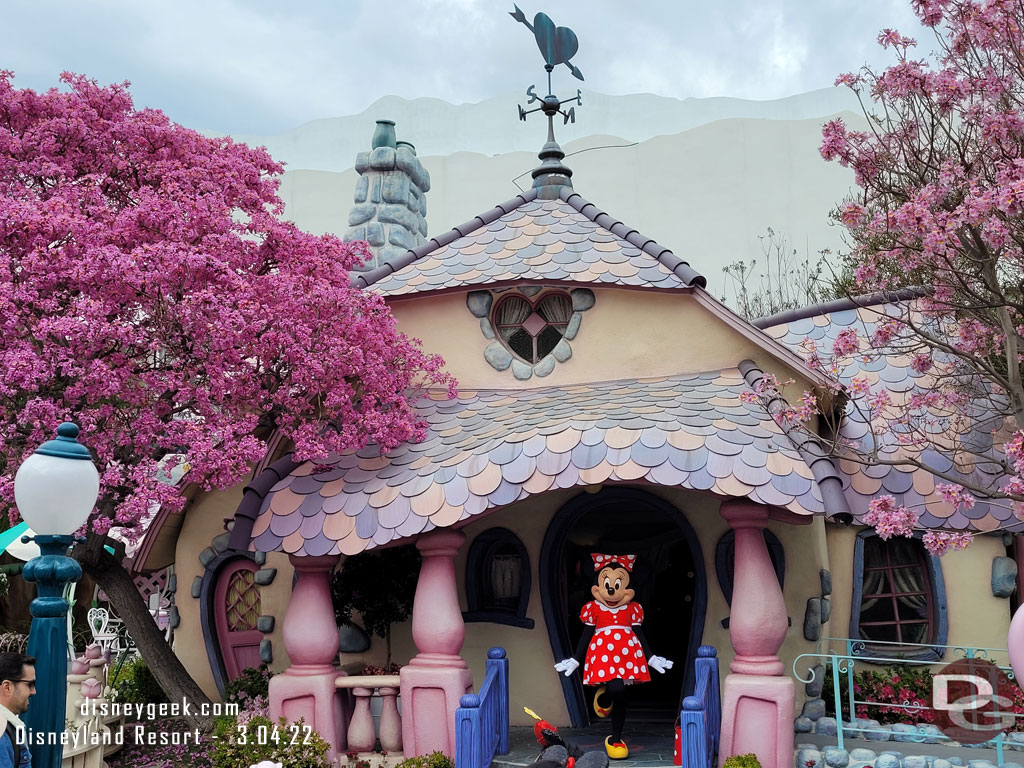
910,486
700,436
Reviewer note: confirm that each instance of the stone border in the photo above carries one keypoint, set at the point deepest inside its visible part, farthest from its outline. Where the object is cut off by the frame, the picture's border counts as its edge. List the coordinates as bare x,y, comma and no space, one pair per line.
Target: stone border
812,756
498,355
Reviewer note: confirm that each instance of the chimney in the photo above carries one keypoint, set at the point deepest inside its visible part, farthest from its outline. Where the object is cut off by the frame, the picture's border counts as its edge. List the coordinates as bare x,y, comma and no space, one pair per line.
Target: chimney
390,199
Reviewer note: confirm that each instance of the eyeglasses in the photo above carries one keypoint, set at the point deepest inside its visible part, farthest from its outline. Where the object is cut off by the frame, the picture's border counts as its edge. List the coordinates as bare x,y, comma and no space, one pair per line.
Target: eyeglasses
30,683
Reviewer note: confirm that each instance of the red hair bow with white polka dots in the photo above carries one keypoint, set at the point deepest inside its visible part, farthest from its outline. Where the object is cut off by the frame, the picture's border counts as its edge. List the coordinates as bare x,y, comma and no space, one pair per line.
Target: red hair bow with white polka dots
600,561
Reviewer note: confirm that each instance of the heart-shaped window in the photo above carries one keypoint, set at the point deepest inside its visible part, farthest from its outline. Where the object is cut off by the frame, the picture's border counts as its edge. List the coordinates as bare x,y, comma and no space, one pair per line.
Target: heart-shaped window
532,330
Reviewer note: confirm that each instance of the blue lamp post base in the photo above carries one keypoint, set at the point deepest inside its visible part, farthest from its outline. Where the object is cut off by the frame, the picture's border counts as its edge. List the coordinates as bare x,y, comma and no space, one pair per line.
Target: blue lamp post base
48,642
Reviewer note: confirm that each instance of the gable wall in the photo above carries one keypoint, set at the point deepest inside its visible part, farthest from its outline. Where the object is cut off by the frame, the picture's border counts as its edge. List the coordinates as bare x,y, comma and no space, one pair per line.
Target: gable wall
626,334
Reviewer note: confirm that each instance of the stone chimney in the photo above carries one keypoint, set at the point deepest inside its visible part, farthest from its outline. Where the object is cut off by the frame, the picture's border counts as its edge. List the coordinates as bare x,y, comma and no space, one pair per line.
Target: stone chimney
390,200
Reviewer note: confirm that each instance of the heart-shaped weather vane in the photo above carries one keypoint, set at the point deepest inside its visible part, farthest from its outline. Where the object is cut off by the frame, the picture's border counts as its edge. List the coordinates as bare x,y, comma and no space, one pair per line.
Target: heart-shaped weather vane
557,45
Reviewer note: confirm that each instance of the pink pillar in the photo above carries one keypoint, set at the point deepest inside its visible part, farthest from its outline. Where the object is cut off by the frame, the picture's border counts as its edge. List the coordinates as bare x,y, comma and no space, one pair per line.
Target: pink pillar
1015,642
758,700
306,689
435,680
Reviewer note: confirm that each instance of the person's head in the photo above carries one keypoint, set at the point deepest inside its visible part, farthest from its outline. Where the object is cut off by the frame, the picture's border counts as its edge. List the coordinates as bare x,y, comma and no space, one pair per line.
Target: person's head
17,681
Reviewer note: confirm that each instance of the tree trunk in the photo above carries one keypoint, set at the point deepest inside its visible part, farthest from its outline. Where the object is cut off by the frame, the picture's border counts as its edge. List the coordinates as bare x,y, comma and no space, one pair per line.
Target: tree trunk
127,602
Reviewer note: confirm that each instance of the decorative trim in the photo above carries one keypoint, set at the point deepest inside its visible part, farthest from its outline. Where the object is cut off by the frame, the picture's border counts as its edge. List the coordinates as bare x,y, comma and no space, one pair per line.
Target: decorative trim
206,616
476,563
555,611
938,604
500,357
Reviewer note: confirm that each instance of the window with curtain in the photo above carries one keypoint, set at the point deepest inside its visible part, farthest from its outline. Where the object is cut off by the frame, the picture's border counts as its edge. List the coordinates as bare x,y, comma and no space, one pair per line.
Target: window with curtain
531,331
900,596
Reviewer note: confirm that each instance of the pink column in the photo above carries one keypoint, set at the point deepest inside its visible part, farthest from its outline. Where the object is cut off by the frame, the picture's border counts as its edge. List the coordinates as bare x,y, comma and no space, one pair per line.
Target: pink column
435,680
758,700
306,689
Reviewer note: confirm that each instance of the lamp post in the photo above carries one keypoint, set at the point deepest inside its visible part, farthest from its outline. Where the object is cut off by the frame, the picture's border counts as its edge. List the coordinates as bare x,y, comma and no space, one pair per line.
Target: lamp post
55,490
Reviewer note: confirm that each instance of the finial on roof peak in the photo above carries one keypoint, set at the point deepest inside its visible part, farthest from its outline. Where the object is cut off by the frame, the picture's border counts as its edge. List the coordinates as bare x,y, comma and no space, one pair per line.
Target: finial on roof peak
557,45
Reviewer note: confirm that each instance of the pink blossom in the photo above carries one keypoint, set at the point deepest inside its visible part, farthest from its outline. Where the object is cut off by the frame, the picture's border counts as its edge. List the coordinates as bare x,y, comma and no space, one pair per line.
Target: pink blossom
846,342
939,543
889,519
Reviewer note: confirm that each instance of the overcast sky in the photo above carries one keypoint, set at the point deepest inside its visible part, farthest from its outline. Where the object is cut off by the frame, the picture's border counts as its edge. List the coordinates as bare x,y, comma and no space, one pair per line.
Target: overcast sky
262,66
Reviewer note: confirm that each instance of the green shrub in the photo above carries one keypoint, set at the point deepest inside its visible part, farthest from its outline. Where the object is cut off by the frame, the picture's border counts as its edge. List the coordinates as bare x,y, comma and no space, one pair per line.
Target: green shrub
748,760
134,683
243,745
433,760
253,682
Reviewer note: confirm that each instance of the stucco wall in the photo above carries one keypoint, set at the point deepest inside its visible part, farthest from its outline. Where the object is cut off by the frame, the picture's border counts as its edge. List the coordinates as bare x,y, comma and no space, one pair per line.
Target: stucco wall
626,334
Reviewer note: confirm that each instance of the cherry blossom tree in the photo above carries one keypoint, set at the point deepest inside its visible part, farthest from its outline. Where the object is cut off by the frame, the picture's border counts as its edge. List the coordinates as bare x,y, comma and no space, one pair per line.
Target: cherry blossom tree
939,203
150,292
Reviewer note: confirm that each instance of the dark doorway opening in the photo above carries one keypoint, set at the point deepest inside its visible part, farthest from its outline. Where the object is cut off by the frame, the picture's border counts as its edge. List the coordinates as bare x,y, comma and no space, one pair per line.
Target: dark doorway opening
669,579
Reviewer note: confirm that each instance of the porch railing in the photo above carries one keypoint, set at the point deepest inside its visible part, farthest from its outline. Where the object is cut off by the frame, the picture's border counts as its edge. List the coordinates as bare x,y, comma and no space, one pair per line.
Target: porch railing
700,722
842,655
481,721
361,735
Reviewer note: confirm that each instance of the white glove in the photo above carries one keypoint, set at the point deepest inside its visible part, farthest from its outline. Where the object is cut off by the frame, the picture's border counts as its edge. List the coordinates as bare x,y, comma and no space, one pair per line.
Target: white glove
568,666
659,663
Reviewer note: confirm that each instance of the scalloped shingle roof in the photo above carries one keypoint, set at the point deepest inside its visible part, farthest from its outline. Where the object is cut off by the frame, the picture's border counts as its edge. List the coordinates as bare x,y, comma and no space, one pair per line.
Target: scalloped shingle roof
913,487
490,448
567,239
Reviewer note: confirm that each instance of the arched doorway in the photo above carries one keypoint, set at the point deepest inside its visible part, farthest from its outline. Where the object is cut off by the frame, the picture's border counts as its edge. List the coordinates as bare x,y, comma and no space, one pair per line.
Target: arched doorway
229,613
670,584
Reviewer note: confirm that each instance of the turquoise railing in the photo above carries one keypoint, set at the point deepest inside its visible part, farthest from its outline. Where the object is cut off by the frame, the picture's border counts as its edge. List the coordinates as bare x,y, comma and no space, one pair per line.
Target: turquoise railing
700,722
841,655
481,721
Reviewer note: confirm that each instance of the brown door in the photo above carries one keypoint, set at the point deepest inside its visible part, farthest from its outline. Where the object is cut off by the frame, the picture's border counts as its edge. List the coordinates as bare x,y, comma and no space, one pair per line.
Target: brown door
237,609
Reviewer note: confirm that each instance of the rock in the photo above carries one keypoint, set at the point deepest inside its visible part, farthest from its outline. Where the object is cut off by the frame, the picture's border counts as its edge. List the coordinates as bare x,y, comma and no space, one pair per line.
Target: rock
360,214
259,557
825,608
486,329
521,370
375,194
827,726
197,587
173,617
1004,576
582,299
980,764
825,577
499,357
808,758
362,189
398,214
206,556
172,584
814,687
813,708
893,752
395,188
362,162
862,755
401,237
545,366
375,234
265,576
530,290
836,757
265,624
574,326
220,543
266,651
904,732
382,159
352,639
875,731
932,733
562,351
355,233
479,303
938,762
812,620
915,761
1009,765
887,761
955,760
803,725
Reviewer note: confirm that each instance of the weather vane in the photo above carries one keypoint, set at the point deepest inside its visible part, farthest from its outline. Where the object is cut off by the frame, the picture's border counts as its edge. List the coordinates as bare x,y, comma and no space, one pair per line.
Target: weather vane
557,45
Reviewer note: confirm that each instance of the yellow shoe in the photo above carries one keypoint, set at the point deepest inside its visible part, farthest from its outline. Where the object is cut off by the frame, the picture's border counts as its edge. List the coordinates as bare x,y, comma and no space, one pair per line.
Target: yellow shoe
616,751
598,709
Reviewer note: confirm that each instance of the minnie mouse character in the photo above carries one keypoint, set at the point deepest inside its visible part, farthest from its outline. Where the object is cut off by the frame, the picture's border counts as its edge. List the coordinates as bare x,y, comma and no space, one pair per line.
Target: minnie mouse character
617,654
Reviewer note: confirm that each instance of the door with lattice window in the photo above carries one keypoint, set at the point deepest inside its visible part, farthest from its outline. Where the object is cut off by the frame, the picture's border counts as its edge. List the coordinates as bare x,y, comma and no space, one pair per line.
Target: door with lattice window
237,610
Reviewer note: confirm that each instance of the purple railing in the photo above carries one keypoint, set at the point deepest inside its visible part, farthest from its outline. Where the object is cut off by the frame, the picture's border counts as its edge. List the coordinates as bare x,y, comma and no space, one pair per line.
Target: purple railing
700,722
481,721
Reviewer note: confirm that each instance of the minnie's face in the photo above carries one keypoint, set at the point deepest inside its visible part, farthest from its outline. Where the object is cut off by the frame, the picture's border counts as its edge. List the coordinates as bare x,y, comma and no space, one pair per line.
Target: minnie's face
612,588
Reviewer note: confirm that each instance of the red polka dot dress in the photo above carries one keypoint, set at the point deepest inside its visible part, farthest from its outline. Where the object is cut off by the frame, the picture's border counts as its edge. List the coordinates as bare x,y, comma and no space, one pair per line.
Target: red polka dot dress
615,651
